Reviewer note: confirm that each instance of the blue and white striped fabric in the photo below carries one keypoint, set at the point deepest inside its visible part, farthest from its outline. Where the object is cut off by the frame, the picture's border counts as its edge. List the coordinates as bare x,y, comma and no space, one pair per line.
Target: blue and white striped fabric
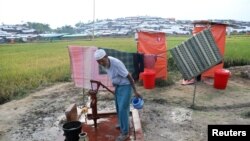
196,55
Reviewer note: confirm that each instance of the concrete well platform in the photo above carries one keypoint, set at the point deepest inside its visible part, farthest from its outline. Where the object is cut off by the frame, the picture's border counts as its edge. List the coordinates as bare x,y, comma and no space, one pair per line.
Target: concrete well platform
106,127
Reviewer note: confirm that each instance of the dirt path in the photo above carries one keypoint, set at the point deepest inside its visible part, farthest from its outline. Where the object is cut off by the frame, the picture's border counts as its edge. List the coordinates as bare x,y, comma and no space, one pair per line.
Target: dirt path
38,116
166,114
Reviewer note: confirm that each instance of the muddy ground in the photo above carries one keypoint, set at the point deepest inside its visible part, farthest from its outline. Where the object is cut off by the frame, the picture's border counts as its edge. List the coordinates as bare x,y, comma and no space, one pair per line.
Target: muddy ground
166,114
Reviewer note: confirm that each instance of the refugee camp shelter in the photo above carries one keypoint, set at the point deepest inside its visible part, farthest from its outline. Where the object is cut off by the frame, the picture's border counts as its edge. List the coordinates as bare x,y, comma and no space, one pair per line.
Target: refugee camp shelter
219,33
154,42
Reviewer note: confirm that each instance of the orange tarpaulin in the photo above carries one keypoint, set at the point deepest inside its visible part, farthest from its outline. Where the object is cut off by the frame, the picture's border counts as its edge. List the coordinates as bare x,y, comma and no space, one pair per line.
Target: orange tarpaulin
154,43
219,34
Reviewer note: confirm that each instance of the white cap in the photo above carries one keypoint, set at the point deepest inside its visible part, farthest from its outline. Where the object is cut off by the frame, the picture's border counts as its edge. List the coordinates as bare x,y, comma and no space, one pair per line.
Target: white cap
99,54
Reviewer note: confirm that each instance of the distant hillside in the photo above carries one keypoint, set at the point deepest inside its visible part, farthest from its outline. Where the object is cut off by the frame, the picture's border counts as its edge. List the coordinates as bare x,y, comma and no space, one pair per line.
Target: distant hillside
109,27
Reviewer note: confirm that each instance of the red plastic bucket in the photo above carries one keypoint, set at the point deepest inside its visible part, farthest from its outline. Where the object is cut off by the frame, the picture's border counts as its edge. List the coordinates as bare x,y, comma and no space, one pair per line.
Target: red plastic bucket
149,79
220,78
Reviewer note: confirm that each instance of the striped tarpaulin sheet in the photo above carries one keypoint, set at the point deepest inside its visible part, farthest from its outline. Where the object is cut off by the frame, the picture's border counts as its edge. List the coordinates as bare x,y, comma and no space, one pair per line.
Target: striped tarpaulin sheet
196,55
133,61
125,57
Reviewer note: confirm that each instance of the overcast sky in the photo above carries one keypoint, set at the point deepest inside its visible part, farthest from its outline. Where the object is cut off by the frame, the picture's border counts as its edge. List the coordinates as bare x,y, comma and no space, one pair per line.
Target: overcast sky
57,13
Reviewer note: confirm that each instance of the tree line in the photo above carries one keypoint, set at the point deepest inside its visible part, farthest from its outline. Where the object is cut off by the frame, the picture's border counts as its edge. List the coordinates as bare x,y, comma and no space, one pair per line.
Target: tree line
45,28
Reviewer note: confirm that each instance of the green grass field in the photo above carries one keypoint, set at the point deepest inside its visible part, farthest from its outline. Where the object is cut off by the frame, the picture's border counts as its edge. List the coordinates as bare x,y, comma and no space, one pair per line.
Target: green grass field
26,66
237,49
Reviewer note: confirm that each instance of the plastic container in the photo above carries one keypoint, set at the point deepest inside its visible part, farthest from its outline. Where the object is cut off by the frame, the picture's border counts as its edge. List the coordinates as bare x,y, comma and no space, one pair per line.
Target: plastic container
221,78
149,79
83,136
72,130
137,102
